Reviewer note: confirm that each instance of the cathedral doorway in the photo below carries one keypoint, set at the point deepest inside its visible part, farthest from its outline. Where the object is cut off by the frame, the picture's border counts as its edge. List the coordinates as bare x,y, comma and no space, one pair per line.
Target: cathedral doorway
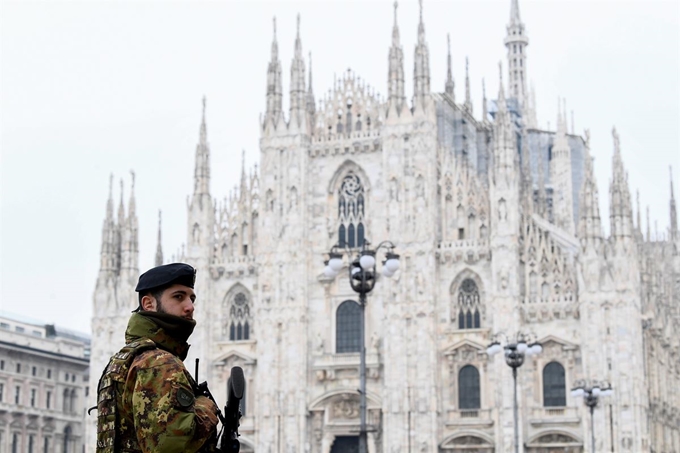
346,444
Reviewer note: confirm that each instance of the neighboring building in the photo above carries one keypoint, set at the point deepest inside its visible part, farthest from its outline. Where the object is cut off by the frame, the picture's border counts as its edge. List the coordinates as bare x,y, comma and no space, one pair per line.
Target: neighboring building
44,374
498,228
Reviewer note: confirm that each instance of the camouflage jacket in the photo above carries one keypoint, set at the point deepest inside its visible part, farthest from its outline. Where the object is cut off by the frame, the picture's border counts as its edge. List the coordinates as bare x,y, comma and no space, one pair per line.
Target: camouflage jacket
155,409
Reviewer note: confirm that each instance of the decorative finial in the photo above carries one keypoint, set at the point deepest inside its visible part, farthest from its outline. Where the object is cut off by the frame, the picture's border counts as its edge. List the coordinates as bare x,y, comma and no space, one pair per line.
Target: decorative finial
132,173
298,25
274,20
670,169
500,71
420,2
587,134
448,42
204,102
639,214
395,13
615,134
111,185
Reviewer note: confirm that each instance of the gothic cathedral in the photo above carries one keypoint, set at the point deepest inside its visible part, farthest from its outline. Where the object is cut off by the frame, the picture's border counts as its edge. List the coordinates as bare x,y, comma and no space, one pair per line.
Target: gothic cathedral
499,231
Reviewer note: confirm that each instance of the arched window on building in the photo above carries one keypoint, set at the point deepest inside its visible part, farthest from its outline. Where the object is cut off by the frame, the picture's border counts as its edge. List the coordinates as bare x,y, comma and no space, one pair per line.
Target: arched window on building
240,319
347,324
67,440
351,212
554,388
72,401
468,388
468,305
65,403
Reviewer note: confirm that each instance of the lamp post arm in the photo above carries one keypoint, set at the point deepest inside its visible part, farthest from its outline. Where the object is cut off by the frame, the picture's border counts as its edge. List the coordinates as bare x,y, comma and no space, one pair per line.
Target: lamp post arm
385,244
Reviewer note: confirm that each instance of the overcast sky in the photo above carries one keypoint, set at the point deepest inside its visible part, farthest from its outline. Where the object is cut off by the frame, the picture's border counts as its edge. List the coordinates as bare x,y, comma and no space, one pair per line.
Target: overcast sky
93,88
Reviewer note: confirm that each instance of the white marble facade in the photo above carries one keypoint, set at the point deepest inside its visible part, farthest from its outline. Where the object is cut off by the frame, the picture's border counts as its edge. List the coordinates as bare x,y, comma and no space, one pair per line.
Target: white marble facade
491,216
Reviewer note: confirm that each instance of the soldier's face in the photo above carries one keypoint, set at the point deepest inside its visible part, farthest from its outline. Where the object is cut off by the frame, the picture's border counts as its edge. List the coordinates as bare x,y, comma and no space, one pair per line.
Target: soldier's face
178,300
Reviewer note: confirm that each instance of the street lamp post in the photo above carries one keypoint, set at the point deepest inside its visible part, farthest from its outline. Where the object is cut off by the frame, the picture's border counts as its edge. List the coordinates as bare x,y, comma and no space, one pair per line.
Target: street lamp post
362,277
591,394
515,352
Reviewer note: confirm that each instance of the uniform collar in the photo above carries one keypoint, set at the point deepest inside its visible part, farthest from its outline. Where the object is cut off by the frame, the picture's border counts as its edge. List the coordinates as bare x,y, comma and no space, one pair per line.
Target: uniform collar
170,333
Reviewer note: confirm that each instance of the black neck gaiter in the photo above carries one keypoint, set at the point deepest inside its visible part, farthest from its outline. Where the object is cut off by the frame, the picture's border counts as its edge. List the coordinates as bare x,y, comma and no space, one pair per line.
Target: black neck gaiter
180,329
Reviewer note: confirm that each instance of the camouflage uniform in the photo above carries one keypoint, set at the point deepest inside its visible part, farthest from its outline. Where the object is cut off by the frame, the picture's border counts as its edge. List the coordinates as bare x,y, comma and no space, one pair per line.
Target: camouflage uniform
155,409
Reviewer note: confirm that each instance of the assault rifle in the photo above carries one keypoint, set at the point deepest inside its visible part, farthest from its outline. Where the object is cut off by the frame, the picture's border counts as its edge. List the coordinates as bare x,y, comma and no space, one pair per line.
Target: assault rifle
232,412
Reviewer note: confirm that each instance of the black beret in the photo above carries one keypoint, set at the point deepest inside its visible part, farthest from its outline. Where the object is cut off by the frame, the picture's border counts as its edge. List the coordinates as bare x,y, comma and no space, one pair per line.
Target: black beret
167,275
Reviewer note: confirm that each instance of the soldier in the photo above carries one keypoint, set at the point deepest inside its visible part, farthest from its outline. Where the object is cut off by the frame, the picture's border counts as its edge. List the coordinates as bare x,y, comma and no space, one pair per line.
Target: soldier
146,398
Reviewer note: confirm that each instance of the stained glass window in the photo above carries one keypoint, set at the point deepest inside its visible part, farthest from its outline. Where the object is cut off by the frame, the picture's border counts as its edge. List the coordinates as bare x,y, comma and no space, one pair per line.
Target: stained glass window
468,305
351,212
239,318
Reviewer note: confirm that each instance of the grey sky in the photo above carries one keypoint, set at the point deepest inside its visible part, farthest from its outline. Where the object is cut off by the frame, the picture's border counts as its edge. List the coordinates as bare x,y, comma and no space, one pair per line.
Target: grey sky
91,88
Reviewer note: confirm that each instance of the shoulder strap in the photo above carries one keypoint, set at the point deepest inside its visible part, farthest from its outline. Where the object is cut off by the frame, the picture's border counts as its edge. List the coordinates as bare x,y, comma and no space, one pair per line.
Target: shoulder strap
107,390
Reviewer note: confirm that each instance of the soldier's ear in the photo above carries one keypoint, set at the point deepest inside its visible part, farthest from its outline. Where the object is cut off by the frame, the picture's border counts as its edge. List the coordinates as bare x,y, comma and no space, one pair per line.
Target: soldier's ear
148,303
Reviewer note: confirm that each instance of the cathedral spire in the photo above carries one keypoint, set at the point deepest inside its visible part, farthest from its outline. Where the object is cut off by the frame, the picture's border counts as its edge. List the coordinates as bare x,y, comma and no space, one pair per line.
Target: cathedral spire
649,236
159,246
590,226
449,86
502,104
107,233
639,214
514,13
395,81
674,212
132,204
561,176
244,180
529,111
274,84
421,67
468,100
297,82
109,203
527,183
485,113
202,159
504,135
121,206
542,196
516,42
129,235
620,206
311,103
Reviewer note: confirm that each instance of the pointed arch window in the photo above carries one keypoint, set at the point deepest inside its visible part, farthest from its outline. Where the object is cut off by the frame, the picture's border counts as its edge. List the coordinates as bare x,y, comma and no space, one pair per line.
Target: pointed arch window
351,229
468,305
347,327
554,387
468,388
240,319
